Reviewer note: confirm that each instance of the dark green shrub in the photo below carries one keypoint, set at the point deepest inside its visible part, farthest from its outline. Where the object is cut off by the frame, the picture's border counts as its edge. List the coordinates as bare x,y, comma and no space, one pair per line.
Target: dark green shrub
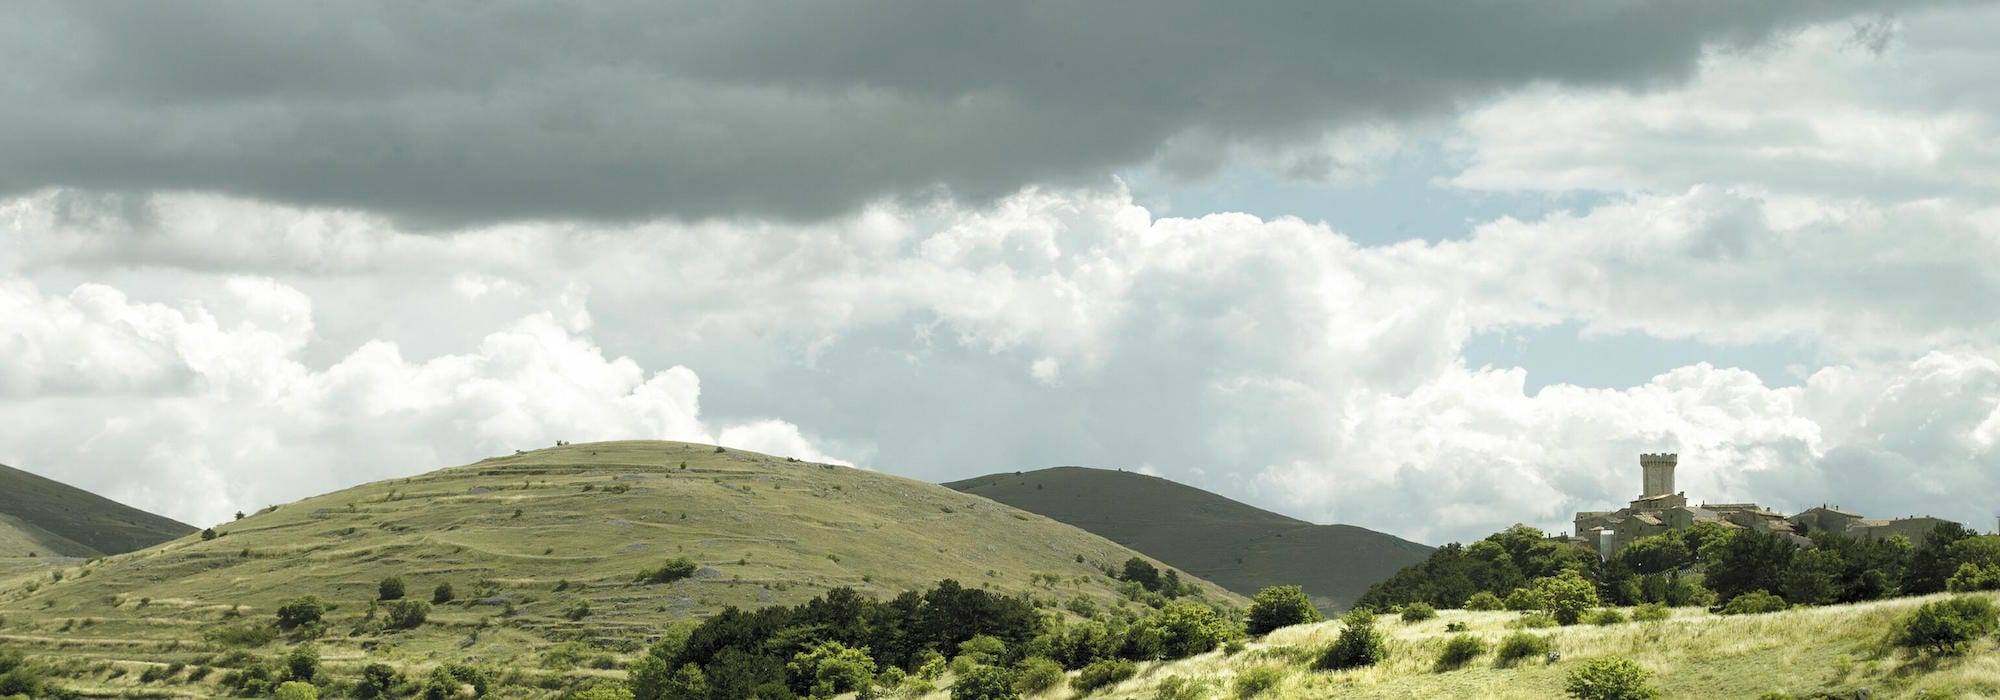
19,677
1609,678
1359,644
1280,606
673,570
984,683
1484,600
208,533
1752,603
450,681
1459,651
1036,674
1605,616
1418,612
377,681
302,664
1456,626
443,594
302,610
1185,628
1103,673
407,614
1257,681
391,588
1518,646
1946,627
1651,612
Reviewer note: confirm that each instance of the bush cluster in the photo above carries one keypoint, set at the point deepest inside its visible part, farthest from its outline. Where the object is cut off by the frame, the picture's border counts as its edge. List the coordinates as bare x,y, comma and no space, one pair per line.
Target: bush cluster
1280,606
1359,643
1946,627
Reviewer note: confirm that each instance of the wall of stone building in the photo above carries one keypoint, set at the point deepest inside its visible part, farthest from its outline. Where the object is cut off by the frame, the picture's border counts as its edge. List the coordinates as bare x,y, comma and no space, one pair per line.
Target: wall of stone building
1913,528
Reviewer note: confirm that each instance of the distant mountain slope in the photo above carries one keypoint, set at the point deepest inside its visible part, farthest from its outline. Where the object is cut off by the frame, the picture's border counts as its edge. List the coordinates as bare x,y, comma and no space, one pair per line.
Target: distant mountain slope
544,547
51,517
1235,545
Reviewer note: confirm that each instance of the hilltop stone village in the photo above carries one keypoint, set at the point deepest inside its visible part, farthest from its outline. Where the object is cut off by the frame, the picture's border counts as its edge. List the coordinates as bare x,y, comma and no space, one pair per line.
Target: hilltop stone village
1659,508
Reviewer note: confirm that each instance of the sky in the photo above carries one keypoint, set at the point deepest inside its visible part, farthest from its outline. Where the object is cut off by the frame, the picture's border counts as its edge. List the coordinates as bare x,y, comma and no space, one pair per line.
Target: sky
1428,268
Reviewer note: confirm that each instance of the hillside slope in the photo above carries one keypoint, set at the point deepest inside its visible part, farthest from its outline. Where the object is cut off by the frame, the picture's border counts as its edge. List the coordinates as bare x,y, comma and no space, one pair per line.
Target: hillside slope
58,518
1235,545
543,547
1828,651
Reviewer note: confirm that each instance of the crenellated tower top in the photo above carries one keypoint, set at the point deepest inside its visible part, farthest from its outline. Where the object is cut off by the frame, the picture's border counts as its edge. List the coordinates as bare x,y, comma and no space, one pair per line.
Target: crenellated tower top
1658,473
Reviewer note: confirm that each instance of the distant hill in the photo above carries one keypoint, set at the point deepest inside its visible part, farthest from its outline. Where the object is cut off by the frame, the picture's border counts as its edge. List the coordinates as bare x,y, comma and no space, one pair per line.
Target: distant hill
528,540
1235,545
50,518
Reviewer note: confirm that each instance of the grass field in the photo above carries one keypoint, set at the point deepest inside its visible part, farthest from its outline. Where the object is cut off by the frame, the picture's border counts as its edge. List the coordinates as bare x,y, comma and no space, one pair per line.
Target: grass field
1836,650
47,517
525,539
1235,545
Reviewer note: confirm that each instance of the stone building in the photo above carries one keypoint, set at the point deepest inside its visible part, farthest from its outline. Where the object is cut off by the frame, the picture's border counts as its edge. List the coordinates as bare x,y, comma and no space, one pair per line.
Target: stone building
1660,508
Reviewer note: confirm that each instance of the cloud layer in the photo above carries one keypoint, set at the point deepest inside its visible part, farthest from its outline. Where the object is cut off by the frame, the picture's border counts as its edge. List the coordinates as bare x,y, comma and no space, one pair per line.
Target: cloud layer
456,112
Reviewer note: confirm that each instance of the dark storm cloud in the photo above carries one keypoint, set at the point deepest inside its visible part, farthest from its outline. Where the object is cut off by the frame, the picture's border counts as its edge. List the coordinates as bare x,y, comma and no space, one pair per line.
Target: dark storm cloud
455,112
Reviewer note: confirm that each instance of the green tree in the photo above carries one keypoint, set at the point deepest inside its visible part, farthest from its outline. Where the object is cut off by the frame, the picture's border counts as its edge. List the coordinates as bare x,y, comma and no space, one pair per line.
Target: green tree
1749,561
1141,572
1418,612
1103,673
443,593
377,681
830,668
296,690
303,610
1359,644
1813,577
1931,565
673,570
984,683
1948,626
1186,628
1280,606
1035,674
1565,596
391,588
407,614
1610,678
1459,651
302,664
1484,600
1754,603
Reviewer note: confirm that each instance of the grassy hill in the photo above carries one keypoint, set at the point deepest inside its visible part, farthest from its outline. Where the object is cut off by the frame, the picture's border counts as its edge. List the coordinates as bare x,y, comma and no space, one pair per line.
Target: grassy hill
530,539
1831,651
1235,545
51,518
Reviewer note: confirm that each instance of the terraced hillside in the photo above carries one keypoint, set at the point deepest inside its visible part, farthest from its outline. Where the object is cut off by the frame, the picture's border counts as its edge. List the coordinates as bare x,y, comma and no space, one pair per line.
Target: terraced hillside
47,517
540,548
1835,651
1238,546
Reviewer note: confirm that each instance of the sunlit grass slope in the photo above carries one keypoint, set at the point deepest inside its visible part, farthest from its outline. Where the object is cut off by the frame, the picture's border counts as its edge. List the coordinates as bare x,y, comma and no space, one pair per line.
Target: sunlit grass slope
525,539
1836,650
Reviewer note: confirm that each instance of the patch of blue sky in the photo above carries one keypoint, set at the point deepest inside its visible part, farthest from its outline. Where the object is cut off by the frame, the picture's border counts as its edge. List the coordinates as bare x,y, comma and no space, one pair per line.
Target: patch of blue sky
1406,197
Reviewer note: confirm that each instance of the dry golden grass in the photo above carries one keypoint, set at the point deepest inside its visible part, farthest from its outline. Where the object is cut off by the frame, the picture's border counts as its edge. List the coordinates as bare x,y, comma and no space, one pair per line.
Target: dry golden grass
1695,654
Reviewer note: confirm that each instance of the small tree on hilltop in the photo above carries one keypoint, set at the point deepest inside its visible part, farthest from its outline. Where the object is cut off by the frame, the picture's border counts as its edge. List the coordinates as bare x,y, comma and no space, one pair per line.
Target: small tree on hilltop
1280,606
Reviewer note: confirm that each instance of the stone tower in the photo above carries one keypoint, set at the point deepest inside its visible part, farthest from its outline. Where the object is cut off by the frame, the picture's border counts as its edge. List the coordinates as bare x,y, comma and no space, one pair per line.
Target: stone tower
1659,474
